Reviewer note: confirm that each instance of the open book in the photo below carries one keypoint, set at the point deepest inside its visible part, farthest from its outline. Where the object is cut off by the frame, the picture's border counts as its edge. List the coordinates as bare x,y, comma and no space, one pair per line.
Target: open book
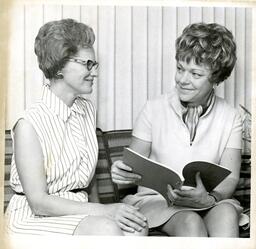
156,175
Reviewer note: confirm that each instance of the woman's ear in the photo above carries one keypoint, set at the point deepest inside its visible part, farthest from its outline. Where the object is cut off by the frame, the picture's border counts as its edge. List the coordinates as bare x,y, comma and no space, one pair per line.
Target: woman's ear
215,85
59,75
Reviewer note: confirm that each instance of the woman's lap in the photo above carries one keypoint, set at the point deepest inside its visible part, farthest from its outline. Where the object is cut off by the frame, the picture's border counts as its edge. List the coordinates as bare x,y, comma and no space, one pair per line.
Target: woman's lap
21,220
155,208
204,223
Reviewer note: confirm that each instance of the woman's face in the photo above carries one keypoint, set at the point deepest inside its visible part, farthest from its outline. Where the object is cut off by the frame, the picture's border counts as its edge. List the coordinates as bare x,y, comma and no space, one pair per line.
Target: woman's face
192,82
76,76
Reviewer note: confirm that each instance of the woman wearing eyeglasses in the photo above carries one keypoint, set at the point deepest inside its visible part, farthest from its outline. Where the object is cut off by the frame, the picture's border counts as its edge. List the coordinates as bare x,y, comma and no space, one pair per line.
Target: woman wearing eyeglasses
55,146
191,123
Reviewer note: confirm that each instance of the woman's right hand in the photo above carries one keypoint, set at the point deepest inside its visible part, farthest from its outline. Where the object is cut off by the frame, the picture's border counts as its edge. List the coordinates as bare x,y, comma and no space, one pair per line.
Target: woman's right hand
127,217
122,173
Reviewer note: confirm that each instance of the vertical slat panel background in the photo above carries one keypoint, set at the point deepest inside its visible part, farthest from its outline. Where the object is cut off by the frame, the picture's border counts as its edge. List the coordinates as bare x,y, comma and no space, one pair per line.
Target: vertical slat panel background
169,36
230,82
33,79
135,46
123,86
240,69
139,59
69,11
208,15
248,58
196,14
154,51
106,56
51,12
16,84
183,19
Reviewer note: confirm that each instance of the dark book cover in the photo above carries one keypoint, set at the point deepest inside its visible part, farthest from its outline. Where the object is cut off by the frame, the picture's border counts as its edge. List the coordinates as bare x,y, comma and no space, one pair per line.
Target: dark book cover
157,176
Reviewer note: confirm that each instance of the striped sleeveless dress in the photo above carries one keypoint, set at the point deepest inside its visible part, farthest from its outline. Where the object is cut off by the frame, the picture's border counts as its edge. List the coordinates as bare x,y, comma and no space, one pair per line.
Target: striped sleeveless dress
70,149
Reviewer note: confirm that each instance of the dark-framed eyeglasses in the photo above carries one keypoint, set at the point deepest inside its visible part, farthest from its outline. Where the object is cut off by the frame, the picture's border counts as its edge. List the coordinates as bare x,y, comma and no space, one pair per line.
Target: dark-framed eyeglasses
89,63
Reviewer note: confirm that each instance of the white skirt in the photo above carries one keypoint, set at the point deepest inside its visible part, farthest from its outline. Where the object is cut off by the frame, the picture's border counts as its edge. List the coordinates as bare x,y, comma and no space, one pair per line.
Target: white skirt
155,207
21,220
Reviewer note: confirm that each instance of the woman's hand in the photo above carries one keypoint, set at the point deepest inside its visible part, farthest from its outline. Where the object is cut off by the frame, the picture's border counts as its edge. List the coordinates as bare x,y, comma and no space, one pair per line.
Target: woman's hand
127,217
197,197
122,173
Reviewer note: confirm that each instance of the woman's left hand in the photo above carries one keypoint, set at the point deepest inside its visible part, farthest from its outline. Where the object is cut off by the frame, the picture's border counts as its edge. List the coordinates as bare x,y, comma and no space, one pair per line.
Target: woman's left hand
197,197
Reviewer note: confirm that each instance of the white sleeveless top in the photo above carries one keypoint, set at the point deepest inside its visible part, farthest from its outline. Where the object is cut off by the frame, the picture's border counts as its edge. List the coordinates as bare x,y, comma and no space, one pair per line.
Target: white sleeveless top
69,144
68,141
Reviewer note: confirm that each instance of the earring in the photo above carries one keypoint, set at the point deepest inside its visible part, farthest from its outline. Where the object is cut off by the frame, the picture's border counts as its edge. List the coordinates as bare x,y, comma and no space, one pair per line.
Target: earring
59,75
214,86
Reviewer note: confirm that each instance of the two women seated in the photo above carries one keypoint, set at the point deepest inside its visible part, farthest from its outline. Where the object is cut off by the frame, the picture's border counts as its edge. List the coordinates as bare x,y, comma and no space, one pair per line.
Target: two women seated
188,123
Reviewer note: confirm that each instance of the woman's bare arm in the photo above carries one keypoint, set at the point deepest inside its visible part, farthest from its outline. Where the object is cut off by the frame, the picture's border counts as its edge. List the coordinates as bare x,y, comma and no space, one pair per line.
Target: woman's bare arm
230,159
29,162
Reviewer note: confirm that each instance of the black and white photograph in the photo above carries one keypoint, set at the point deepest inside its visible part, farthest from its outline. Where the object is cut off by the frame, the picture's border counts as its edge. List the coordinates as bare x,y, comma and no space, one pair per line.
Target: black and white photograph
128,119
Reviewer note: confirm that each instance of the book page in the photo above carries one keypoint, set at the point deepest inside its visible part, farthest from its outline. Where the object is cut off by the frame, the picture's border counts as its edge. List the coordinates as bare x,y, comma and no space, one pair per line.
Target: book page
154,175
211,174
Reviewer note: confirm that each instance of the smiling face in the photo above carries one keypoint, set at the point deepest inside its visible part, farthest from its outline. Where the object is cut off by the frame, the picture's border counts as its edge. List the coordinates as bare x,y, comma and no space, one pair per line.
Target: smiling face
192,82
76,76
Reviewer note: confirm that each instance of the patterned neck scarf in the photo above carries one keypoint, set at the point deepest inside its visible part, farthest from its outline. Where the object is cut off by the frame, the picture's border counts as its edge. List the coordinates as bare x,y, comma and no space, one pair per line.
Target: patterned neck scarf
191,114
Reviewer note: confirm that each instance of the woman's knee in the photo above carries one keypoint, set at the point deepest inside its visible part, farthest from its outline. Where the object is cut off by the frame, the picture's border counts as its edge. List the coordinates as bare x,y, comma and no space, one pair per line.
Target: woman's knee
222,221
192,221
225,212
228,210
97,225
187,223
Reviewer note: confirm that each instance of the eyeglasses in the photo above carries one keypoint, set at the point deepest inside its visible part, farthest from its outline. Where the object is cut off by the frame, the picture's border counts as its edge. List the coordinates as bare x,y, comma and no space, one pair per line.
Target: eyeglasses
89,64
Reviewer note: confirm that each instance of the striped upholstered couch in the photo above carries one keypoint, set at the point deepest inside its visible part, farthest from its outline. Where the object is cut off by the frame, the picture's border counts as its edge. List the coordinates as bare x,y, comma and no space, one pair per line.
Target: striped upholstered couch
111,145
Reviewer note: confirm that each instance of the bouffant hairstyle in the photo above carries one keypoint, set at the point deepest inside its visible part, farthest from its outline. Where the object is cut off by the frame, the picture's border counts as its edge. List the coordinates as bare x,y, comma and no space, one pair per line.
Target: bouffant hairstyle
58,40
208,44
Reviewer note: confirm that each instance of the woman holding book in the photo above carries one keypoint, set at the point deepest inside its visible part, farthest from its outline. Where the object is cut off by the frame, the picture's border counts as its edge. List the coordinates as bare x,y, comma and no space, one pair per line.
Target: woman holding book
191,123
55,147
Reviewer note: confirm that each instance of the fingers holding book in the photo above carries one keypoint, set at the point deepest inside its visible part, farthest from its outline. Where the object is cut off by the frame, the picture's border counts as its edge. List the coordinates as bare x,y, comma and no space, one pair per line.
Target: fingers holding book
171,195
122,173
187,196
